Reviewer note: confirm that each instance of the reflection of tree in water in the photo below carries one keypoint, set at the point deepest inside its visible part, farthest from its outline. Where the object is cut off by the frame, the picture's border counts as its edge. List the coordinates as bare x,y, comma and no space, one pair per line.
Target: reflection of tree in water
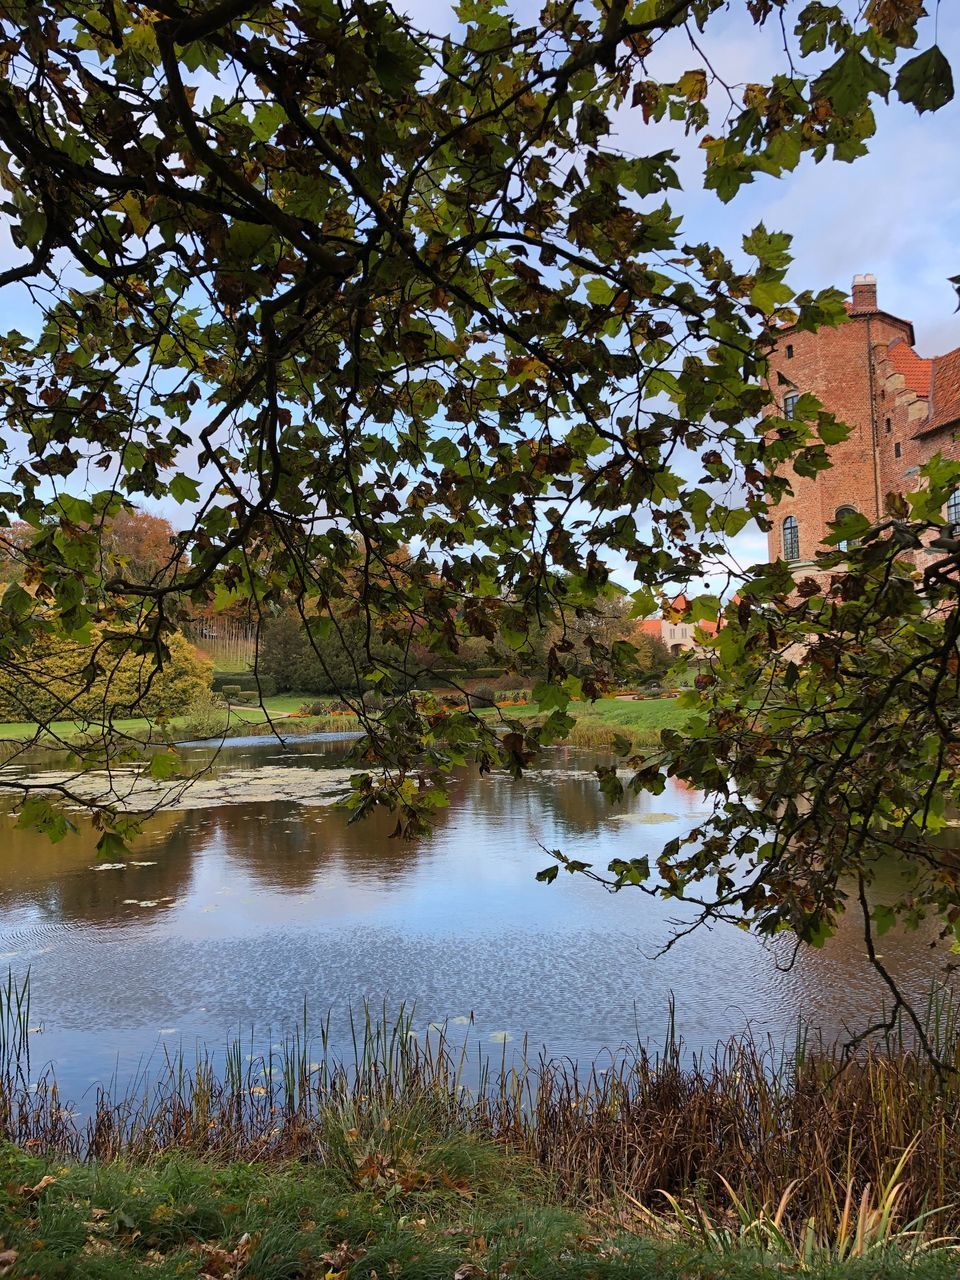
574,803
64,882
287,846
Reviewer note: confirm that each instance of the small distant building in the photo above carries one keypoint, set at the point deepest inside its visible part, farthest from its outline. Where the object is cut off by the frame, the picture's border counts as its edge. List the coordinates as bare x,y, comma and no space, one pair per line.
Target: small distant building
901,409
676,635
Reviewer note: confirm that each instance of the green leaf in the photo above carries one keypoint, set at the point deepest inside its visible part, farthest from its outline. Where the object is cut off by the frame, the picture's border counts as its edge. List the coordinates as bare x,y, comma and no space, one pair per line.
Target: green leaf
164,764
112,846
850,81
184,488
770,294
38,813
884,918
926,81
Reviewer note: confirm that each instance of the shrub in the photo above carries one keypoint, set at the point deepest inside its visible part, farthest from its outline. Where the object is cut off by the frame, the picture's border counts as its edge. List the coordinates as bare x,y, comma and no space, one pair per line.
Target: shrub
323,660
105,678
247,697
205,717
484,695
373,700
231,692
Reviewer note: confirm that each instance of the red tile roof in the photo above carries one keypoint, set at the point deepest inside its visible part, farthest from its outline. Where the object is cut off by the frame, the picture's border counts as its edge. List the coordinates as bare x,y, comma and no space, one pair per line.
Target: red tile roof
651,626
945,407
917,372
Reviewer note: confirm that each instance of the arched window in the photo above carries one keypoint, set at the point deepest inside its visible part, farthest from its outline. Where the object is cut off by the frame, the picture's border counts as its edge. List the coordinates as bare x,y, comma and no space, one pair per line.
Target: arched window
842,513
953,509
791,539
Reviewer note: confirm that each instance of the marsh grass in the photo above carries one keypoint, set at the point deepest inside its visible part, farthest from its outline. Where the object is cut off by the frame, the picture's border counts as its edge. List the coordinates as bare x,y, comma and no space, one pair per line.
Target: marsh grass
788,1141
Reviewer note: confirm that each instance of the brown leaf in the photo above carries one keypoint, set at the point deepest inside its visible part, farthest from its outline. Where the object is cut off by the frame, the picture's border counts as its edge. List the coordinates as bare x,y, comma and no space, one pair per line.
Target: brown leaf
31,1193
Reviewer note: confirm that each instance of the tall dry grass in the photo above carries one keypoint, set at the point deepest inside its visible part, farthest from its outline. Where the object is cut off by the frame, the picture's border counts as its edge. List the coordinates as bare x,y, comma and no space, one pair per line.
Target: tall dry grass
741,1125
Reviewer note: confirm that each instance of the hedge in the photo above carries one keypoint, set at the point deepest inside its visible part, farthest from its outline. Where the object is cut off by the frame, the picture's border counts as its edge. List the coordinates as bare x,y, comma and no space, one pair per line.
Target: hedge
244,680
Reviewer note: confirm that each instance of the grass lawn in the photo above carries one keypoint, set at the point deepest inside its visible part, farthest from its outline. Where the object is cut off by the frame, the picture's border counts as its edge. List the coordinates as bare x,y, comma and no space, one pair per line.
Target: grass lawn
621,713
464,1211
596,722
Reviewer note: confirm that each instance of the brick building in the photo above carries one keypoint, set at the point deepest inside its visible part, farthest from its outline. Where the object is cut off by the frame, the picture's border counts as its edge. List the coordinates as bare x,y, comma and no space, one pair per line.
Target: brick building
901,409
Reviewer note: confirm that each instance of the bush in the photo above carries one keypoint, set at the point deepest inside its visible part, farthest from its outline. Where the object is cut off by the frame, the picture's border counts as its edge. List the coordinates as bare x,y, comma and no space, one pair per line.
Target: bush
106,678
247,697
231,692
484,695
373,700
204,718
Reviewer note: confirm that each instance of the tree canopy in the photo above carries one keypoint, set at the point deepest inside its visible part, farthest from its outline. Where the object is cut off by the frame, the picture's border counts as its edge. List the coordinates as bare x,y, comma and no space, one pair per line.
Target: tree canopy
340,285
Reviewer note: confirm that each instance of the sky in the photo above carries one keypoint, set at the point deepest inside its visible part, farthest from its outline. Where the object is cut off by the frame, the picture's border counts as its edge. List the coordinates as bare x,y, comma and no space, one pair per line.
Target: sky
895,212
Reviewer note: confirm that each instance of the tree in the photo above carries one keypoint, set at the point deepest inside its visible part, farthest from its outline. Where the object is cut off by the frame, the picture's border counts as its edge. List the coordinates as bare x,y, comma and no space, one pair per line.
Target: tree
318,659
340,286
14,541
139,545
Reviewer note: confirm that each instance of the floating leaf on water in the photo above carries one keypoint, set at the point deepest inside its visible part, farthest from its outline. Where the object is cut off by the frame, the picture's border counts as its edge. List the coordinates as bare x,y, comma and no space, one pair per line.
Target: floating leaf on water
500,1037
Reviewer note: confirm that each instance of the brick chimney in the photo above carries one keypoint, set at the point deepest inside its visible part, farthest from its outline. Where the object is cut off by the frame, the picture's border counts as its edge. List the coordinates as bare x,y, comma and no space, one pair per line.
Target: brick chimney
864,294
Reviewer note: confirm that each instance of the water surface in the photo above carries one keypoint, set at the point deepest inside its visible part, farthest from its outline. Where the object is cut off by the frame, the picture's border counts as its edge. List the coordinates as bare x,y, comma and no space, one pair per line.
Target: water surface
234,910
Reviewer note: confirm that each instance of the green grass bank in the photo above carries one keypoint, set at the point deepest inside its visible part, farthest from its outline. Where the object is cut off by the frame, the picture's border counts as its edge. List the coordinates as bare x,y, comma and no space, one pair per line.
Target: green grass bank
461,1211
597,723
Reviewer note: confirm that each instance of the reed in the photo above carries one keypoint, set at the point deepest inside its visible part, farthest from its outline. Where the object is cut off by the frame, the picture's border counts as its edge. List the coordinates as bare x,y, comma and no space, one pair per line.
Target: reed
800,1148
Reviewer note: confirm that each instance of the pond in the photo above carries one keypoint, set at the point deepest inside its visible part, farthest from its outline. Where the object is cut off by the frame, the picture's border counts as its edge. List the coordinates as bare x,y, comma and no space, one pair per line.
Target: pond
236,907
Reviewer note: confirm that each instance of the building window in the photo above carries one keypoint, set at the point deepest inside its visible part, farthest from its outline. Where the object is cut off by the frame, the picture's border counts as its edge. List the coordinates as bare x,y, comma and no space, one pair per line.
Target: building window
790,404
896,450
791,539
953,511
887,425
842,513
789,350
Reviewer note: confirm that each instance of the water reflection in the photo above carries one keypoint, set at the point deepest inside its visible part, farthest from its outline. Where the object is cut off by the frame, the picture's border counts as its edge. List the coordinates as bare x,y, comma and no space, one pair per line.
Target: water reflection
229,915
